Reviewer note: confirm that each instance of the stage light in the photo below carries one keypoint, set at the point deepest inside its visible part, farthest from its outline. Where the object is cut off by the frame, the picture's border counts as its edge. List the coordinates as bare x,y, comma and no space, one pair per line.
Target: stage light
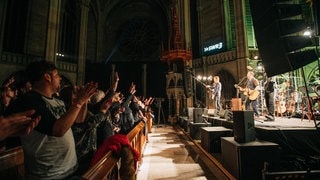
307,32
204,78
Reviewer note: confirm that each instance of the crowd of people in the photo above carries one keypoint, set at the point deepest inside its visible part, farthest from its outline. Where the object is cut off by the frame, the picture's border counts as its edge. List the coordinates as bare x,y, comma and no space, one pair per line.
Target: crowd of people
60,129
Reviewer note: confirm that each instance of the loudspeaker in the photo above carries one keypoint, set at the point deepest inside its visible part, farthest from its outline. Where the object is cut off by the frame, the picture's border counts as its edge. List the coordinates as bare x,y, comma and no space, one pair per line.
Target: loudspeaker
316,16
222,113
195,129
243,126
225,114
281,47
212,112
190,113
197,115
210,138
246,160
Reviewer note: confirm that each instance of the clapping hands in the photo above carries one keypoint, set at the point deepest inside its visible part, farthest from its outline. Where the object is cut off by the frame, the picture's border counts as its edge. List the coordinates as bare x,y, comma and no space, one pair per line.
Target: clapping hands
18,124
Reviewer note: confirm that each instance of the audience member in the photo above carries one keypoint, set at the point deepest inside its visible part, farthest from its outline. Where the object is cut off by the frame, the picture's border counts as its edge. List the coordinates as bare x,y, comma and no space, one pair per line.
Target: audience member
105,128
85,130
49,150
126,118
23,87
6,95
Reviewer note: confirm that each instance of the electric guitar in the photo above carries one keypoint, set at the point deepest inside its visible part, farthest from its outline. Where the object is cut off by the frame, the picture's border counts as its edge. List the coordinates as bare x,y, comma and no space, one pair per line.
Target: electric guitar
251,94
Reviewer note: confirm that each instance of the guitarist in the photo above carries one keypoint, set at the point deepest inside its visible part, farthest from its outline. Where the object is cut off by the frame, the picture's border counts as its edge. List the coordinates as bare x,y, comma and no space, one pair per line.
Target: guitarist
252,84
269,88
216,93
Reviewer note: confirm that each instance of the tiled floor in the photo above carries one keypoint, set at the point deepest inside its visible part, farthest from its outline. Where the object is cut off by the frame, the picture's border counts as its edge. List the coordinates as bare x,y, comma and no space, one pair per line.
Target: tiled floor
166,157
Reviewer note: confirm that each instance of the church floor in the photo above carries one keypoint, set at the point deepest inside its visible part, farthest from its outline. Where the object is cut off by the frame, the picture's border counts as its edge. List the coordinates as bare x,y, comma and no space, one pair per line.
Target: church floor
166,156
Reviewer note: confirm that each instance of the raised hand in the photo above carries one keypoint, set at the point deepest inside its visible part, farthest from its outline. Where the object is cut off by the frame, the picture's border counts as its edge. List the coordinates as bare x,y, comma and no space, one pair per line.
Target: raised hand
18,124
132,89
84,93
116,76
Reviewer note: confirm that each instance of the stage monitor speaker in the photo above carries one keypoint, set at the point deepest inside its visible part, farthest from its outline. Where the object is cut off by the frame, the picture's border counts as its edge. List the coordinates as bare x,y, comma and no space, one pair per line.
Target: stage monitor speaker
243,126
222,113
197,115
212,112
225,114
205,111
281,47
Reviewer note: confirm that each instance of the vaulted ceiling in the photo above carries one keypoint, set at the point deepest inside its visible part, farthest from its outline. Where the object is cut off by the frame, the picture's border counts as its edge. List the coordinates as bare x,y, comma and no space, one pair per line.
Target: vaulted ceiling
136,29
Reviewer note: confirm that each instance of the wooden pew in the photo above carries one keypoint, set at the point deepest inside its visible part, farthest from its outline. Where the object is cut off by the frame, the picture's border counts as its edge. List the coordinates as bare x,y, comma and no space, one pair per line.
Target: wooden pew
12,164
104,167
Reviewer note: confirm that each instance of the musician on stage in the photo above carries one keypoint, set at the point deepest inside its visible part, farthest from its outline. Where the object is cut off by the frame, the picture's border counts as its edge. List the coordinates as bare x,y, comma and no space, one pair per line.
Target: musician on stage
289,98
216,92
252,84
269,97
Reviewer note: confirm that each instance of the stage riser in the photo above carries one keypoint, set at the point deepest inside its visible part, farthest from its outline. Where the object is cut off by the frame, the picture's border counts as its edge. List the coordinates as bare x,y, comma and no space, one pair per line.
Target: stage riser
246,160
210,138
301,141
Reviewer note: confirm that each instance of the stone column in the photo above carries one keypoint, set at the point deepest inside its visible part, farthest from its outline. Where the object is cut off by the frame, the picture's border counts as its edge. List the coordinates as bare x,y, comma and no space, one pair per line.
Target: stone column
186,32
241,37
53,30
84,9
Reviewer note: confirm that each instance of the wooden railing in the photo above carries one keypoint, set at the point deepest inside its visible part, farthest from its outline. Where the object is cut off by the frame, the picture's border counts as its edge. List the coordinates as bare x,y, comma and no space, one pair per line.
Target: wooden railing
104,167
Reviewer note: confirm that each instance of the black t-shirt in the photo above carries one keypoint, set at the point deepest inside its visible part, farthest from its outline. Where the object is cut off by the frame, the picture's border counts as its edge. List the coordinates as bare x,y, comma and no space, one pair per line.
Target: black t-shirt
34,100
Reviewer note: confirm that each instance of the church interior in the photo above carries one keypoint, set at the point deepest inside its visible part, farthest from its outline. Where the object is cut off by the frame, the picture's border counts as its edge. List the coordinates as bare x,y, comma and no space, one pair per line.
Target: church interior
172,50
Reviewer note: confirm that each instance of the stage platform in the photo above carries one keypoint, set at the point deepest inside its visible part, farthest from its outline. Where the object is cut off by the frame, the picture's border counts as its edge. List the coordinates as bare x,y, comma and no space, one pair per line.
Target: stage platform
299,140
292,134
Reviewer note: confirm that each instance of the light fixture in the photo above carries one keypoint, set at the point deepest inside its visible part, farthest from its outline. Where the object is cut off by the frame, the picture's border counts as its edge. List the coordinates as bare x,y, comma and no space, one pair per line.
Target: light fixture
307,32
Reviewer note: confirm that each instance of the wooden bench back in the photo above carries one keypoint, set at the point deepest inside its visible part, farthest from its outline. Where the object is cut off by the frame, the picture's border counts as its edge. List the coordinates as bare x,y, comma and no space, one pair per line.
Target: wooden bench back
12,164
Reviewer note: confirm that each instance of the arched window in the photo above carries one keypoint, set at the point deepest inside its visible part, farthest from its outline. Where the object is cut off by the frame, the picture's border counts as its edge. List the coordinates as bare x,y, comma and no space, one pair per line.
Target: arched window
15,26
69,31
